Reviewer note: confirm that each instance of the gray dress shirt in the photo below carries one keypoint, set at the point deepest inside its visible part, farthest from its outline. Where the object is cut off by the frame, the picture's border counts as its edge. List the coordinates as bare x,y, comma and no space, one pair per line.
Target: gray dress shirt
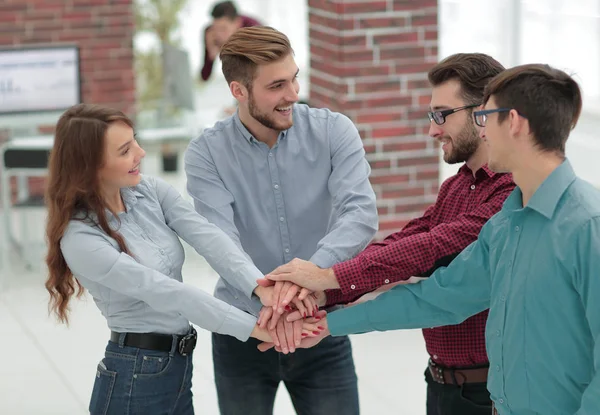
308,197
145,293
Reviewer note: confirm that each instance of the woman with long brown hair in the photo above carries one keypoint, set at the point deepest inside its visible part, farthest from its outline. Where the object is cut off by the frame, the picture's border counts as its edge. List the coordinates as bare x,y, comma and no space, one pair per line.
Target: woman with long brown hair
116,233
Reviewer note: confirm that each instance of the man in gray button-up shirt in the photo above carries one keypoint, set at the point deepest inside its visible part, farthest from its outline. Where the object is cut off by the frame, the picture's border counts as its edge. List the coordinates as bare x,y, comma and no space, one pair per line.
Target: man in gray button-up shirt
283,181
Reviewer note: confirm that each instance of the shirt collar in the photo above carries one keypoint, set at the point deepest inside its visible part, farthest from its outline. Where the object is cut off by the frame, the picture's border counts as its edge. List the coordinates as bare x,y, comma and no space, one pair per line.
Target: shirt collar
247,134
130,197
546,197
482,170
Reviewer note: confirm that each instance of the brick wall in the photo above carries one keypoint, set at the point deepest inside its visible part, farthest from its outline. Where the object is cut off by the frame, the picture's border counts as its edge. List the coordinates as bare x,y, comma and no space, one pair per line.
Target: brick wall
369,60
103,30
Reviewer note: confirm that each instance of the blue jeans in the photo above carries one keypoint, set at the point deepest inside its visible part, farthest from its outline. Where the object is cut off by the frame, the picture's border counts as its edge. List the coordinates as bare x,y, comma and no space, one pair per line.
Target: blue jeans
320,380
132,381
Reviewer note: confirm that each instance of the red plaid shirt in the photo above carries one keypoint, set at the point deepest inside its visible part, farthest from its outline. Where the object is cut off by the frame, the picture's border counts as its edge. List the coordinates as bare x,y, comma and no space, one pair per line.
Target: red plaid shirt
464,204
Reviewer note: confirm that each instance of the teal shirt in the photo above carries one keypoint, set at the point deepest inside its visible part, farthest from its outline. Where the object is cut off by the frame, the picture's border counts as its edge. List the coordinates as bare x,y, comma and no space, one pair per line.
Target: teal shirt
538,270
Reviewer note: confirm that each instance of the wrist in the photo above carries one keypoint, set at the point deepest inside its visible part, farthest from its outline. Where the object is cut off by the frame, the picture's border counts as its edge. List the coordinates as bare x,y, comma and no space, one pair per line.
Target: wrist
259,291
260,334
331,282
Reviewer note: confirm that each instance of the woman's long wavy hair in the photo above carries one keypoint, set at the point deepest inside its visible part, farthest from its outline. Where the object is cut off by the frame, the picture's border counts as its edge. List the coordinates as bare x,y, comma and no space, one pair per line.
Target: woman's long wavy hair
74,187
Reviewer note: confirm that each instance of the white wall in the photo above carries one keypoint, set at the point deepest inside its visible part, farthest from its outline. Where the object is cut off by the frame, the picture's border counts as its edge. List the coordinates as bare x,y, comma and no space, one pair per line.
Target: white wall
562,33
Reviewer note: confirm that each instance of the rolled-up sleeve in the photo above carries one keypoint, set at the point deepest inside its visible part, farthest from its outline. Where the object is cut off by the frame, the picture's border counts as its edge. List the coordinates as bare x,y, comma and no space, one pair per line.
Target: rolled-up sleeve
90,255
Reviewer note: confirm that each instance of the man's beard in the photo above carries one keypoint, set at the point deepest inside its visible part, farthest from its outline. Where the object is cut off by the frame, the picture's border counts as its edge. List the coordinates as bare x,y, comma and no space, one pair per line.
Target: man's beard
267,120
464,145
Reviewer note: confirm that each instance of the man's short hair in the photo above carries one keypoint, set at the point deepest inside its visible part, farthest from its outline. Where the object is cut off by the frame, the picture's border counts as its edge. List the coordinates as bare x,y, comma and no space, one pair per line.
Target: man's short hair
472,70
250,47
547,97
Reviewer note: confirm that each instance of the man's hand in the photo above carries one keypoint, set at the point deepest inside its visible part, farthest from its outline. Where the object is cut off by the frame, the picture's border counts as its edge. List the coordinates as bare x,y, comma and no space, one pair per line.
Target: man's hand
305,274
285,293
266,295
314,330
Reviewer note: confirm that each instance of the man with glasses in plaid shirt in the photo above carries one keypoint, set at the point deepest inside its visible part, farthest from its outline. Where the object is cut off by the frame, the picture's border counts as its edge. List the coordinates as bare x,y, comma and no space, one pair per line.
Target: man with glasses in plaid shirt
457,371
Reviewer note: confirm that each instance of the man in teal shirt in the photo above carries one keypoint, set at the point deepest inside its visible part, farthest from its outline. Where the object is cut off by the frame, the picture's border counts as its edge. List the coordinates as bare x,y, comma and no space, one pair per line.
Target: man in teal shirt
536,264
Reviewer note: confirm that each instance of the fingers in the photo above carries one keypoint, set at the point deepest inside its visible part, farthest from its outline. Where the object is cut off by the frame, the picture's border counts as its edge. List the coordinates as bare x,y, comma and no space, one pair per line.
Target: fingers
274,320
282,269
304,292
293,316
263,282
276,293
297,325
290,294
313,328
311,305
280,329
279,300
289,335
265,316
301,309
263,347
319,316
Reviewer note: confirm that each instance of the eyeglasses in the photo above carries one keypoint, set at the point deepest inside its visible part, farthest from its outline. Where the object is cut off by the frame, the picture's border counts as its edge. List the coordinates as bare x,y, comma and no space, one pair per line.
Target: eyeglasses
439,117
480,117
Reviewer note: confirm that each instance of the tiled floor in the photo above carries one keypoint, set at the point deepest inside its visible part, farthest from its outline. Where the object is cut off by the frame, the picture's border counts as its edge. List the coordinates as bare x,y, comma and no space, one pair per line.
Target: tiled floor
48,368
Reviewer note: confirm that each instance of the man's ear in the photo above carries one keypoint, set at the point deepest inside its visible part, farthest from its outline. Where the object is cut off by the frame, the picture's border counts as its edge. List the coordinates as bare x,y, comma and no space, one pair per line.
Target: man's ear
239,91
518,125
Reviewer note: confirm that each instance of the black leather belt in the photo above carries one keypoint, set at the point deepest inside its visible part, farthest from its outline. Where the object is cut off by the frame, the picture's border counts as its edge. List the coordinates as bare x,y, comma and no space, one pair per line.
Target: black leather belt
458,377
186,343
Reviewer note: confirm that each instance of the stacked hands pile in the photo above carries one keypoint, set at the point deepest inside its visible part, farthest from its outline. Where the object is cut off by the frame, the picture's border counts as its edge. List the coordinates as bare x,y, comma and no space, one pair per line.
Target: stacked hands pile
291,296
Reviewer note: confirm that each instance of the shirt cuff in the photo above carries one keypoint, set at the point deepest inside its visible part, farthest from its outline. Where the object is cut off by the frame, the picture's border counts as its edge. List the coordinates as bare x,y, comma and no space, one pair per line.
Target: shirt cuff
323,259
248,280
348,274
350,320
238,324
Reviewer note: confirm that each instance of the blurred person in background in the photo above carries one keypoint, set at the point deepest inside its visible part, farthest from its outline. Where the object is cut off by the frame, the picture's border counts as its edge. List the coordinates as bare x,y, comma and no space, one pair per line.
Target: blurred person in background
116,233
226,20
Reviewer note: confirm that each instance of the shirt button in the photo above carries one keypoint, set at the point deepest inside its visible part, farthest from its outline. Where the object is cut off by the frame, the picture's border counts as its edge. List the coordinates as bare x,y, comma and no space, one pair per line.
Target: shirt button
287,251
517,229
435,357
270,154
162,251
501,401
281,219
472,187
353,287
503,298
276,186
498,333
497,368
387,281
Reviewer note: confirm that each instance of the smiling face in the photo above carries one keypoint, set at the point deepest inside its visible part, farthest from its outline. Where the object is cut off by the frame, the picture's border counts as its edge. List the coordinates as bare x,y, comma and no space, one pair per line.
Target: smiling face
122,157
458,135
274,91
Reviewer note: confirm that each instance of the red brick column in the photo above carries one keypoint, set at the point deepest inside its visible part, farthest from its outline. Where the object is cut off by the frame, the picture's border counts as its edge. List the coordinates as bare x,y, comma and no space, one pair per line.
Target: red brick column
369,60
103,29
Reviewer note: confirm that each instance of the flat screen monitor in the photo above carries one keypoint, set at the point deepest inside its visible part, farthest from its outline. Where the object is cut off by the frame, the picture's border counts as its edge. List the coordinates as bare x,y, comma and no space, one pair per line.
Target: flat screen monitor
39,79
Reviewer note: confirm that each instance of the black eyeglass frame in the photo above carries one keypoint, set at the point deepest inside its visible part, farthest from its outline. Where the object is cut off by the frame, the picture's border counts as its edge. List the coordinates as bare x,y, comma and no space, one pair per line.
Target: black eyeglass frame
480,117
441,115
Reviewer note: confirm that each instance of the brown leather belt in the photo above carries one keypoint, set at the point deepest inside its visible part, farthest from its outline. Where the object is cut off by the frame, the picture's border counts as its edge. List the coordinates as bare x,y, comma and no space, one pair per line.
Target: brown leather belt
494,410
457,377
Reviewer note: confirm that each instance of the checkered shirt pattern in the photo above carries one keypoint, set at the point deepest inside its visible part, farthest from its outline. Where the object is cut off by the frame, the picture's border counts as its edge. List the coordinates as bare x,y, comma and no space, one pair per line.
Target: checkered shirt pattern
464,204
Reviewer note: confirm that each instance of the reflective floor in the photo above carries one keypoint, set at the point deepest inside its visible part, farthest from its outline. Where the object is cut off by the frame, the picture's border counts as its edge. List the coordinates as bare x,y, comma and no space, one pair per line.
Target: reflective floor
48,368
